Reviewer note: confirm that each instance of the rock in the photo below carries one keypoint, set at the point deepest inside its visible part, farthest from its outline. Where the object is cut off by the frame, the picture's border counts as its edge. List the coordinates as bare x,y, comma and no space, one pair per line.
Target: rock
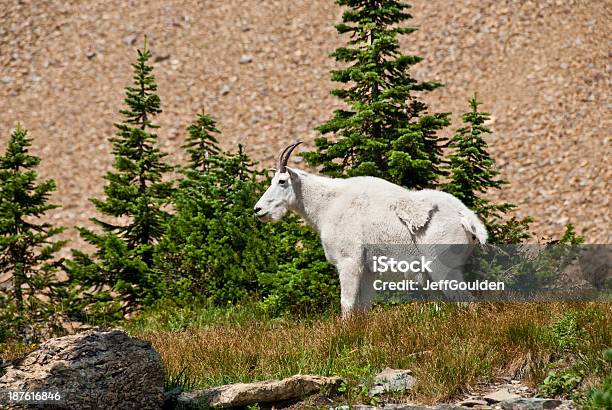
472,402
245,59
129,40
532,404
91,369
7,79
161,57
500,395
392,380
244,394
225,89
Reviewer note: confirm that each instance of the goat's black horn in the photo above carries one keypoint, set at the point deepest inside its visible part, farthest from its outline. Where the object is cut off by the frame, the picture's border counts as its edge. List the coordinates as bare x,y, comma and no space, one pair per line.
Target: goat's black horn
284,157
279,163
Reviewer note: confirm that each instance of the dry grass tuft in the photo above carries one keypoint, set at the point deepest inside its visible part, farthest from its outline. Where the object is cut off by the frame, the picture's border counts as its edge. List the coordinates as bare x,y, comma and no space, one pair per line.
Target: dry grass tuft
449,348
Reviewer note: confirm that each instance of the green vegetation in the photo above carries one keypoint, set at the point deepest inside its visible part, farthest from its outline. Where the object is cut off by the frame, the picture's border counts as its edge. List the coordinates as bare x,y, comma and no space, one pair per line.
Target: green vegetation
560,384
600,396
581,369
27,248
205,250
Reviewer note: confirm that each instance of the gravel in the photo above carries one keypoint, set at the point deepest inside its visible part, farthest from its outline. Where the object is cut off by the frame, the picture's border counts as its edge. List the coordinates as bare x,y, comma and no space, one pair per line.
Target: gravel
262,70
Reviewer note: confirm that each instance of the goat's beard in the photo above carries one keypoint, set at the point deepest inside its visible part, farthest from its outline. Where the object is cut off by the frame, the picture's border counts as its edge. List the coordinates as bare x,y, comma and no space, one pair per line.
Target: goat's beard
265,218
275,215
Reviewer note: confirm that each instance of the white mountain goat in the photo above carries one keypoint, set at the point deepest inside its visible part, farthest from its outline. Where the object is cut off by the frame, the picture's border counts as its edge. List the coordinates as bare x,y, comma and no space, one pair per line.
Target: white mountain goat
348,213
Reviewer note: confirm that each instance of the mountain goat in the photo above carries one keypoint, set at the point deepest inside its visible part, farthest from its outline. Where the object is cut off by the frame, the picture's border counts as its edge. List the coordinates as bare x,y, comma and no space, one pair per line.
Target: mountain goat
348,213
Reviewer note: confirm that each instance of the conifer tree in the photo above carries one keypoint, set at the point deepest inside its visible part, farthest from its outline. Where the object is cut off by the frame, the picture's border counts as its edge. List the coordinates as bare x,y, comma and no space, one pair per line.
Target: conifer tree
202,145
385,131
240,166
473,173
136,191
27,247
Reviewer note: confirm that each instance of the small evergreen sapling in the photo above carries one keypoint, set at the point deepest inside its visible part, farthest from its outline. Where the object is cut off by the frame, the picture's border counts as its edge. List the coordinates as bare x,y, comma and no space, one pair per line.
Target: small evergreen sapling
386,131
207,161
202,145
473,173
27,250
123,263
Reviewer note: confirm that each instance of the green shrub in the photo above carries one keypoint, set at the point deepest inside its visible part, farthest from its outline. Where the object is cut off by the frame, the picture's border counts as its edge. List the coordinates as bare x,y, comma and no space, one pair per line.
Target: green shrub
563,384
213,246
600,397
304,282
216,249
567,332
568,336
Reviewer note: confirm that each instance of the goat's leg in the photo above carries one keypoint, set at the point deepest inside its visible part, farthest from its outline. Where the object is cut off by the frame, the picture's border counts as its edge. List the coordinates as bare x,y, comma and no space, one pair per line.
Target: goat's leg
352,295
441,272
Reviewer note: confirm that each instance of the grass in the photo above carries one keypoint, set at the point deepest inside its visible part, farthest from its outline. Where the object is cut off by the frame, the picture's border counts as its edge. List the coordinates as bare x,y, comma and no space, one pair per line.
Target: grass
557,347
449,348
13,350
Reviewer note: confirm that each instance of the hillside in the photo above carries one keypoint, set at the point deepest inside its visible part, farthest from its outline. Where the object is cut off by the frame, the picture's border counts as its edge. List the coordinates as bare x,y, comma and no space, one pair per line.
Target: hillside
262,70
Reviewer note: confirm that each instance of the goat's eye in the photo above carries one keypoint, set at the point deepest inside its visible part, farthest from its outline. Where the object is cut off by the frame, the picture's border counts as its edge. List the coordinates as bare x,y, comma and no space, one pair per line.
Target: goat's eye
282,181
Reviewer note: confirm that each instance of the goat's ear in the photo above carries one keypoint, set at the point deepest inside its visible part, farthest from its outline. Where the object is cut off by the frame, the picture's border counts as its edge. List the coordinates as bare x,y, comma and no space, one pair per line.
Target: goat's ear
292,174
414,214
295,178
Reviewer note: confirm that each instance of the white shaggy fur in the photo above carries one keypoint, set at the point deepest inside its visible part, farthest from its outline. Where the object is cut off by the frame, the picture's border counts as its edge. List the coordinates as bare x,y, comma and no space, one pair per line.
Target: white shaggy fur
348,213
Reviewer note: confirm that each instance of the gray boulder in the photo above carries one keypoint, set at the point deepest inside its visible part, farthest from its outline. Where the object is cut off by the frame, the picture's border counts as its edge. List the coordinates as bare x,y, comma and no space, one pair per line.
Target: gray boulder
91,370
392,380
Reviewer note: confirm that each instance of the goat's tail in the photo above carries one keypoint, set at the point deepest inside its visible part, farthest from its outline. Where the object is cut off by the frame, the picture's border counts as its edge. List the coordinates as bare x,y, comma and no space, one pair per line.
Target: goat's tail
474,227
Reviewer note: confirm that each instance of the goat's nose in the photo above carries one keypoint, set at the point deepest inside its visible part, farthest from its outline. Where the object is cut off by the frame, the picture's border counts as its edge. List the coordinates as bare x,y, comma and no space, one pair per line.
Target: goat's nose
256,209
